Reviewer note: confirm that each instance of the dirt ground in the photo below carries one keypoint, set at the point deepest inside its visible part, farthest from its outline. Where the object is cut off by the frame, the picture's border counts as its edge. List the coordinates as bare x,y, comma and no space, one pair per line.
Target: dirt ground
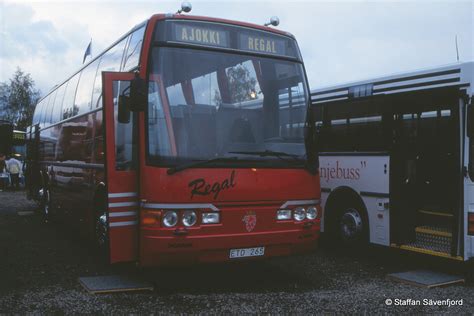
40,265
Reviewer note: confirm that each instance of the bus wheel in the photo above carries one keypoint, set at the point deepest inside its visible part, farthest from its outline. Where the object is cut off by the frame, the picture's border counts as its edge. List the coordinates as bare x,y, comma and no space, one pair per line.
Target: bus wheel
352,227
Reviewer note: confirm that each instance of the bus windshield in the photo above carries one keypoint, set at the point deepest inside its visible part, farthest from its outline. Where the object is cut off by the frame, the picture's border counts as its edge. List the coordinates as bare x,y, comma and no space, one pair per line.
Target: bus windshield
208,104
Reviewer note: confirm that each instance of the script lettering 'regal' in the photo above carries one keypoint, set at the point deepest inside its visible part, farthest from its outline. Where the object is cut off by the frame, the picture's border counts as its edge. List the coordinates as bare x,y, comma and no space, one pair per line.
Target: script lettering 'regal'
201,187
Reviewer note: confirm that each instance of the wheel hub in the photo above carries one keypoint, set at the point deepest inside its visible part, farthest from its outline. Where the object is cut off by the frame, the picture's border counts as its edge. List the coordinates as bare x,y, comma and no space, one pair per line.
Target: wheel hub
351,225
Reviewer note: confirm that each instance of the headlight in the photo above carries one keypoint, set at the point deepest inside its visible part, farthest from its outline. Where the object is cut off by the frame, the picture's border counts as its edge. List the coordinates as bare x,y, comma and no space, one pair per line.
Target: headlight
170,219
210,218
312,212
299,214
189,218
283,215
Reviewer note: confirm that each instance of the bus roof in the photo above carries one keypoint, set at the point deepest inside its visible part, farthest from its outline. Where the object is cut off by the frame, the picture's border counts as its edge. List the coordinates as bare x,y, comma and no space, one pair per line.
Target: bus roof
224,21
168,16
457,74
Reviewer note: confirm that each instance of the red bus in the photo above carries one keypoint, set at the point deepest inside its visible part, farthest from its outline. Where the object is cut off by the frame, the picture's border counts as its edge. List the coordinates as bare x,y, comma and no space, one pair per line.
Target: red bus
186,141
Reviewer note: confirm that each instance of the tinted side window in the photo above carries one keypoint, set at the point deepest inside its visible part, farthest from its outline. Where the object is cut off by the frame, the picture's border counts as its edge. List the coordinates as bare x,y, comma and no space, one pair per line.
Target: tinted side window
74,140
352,126
132,56
125,133
84,88
58,102
49,108
68,103
110,61
36,116
99,153
43,111
97,88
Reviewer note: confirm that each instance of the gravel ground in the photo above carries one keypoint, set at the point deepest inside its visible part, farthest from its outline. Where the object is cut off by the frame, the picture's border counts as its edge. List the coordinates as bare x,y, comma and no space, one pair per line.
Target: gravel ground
40,264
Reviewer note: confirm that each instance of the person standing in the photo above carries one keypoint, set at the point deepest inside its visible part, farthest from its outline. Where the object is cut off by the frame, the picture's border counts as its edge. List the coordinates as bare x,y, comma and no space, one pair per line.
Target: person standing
14,168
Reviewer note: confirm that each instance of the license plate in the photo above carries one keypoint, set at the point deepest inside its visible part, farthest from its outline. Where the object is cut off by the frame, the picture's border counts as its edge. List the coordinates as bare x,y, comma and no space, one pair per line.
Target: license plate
246,252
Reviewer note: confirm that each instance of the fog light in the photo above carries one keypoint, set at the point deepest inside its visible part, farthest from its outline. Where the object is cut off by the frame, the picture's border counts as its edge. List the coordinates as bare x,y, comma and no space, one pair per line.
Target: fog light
312,212
189,218
283,215
170,219
210,218
299,214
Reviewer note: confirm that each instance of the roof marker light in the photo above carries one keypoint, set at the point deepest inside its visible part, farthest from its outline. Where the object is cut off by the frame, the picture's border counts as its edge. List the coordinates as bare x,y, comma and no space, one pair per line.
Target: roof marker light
186,7
274,20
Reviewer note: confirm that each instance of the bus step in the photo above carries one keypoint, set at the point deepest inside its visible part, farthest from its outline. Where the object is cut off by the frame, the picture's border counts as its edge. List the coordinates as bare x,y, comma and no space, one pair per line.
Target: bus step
435,231
427,251
433,239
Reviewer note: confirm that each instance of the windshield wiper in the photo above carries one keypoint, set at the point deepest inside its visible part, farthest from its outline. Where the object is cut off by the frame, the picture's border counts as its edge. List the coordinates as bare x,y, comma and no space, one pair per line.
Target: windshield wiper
268,153
185,166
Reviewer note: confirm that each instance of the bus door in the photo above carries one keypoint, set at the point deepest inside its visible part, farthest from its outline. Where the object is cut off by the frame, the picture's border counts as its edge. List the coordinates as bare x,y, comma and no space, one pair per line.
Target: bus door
121,171
426,171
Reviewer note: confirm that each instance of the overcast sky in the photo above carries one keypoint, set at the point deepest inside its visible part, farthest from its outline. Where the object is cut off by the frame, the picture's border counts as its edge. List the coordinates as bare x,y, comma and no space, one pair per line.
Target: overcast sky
340,41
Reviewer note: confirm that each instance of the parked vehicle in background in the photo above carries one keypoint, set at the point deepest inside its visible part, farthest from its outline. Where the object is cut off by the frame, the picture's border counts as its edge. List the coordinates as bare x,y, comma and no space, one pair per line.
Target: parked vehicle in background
18,149
397,161
183,142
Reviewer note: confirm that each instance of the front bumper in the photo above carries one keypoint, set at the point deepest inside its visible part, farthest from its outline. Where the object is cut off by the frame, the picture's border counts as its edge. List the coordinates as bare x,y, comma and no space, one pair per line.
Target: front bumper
186,250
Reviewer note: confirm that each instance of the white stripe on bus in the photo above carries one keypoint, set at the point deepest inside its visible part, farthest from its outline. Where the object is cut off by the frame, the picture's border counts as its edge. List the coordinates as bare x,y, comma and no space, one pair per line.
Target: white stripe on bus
179,206
122,204
122,214
299,202
123,194
119,224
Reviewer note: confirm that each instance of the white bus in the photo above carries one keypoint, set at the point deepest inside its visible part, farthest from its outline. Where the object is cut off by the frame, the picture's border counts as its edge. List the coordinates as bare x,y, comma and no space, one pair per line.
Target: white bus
397,161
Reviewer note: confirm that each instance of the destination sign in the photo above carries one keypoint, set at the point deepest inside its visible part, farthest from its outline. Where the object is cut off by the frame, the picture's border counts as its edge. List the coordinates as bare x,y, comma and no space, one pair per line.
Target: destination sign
262,44
201,35
226,36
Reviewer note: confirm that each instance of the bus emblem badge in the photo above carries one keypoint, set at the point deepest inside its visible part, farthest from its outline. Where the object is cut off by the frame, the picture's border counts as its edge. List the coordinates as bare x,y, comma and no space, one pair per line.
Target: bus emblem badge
250,220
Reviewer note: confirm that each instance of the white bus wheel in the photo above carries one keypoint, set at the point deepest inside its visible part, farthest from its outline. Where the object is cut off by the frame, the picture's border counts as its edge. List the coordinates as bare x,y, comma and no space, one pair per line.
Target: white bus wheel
351,226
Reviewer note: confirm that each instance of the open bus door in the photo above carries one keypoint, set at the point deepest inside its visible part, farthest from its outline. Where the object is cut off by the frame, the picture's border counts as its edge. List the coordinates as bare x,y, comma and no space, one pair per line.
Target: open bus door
120,171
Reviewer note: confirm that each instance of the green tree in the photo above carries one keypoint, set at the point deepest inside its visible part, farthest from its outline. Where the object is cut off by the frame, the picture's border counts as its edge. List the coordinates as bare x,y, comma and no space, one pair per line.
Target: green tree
18,99
241,84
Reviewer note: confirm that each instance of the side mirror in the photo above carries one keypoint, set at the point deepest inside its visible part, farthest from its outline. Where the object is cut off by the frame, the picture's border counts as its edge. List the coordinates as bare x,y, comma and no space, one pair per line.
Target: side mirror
124,109
138,94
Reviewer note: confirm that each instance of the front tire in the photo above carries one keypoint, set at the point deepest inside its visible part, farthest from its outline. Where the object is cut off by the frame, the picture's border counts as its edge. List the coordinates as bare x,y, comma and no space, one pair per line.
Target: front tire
351,225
